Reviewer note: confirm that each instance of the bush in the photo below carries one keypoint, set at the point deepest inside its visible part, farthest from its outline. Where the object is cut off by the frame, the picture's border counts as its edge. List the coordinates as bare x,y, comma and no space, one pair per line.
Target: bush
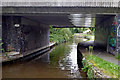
59,34
88,69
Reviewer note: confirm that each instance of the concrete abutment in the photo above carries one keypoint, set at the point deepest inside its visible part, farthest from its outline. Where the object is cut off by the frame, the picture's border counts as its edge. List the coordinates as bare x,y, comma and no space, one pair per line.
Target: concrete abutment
20,34
106,33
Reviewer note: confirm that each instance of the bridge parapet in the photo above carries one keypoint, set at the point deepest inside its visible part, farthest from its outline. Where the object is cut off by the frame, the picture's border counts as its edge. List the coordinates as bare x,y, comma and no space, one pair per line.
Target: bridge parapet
62,3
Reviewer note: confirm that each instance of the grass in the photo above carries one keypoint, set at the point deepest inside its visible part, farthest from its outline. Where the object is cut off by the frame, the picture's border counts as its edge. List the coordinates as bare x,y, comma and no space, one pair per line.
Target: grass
108,68
117,56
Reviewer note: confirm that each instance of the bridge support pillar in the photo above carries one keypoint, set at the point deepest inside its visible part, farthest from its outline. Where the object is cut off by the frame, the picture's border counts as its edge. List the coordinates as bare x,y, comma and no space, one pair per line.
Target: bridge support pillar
20,34
103,23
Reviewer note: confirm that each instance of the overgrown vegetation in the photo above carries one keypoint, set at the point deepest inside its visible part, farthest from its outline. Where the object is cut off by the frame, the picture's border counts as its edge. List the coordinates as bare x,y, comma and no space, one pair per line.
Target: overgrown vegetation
2,51
117,56
88,67
60,34
81,30
108,68
1,46
105,67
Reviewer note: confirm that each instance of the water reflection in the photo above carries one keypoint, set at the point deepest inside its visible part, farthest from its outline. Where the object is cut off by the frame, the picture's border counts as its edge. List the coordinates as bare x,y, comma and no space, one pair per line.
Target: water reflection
66,58
61,62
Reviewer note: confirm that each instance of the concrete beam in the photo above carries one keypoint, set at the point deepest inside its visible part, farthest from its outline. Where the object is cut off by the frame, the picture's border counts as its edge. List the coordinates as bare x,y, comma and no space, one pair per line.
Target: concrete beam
66,10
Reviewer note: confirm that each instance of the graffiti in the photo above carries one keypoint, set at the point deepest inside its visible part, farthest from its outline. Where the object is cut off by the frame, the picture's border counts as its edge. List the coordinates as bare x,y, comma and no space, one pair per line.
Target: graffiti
114,29
112,42
112,34
118,30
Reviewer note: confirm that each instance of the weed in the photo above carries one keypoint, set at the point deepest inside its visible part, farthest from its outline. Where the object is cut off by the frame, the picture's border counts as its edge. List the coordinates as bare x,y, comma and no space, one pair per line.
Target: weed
108,68
90,49
117,56
88,68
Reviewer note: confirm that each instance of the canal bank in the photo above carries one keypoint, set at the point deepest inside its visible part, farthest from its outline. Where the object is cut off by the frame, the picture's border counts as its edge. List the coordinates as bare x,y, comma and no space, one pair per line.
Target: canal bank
12,57
96,61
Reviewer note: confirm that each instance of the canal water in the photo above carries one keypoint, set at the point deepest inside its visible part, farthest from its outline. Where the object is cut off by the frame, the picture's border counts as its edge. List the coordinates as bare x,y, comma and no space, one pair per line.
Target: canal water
60,62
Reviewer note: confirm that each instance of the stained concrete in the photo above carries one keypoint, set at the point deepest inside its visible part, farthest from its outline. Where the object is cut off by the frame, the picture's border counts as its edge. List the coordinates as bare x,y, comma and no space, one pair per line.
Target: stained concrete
68,10
34,37
103,23
29,35
10,34
60,6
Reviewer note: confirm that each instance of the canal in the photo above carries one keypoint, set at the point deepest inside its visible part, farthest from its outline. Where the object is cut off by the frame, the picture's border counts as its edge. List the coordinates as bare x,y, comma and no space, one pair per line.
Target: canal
60,62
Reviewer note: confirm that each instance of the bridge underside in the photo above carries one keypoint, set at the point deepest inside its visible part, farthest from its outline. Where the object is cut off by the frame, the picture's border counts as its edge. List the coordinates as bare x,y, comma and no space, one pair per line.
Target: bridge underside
27,28
58,15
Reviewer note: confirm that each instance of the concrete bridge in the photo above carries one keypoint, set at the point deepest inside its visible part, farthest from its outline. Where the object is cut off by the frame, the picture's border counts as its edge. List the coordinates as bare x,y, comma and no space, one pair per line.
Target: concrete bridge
25,23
